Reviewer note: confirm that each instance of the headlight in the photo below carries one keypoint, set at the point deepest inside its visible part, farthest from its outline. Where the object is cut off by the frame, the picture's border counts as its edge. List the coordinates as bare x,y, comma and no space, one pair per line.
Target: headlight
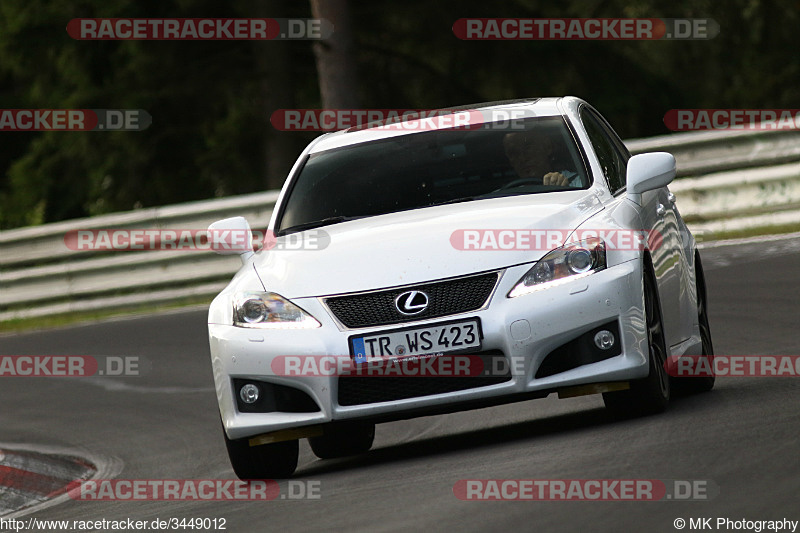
269,310
579,258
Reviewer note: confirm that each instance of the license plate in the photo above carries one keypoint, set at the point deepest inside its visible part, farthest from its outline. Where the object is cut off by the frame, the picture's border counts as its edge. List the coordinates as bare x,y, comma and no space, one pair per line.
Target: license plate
433,339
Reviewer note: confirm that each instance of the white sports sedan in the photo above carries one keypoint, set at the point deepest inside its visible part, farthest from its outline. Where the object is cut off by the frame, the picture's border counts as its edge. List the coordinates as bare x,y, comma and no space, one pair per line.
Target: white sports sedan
486,255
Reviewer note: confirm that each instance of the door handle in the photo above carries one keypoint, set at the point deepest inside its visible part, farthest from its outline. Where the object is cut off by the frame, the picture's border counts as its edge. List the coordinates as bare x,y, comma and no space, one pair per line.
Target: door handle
660,210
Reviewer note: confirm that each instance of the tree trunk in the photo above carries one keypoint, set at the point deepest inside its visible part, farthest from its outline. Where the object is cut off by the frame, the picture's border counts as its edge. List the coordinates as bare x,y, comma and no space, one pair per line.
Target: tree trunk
275,72
336,63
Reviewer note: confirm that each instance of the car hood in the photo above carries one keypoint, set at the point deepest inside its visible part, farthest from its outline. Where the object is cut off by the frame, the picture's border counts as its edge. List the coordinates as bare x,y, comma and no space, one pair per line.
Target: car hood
417,246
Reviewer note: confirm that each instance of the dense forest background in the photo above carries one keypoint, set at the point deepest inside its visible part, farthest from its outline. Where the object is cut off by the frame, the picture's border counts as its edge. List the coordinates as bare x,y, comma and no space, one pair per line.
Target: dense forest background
211,101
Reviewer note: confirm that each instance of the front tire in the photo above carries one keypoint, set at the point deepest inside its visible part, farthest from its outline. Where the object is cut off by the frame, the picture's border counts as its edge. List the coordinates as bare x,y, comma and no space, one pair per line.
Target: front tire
703,383
651,394
267,461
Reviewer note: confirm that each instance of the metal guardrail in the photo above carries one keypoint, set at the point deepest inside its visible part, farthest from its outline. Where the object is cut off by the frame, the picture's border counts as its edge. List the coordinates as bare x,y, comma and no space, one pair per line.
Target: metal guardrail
705,152
729,181
733,181
40,274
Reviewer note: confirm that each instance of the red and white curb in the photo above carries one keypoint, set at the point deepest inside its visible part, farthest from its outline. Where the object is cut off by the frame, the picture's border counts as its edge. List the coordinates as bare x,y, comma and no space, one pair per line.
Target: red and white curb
36,477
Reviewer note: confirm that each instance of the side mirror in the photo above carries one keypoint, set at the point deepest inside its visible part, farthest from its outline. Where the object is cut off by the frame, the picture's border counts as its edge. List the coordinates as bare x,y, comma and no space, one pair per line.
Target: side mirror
231,236
647,172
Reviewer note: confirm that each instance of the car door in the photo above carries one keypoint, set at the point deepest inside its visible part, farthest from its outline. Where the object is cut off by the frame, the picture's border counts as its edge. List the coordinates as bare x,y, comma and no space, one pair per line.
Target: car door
658,218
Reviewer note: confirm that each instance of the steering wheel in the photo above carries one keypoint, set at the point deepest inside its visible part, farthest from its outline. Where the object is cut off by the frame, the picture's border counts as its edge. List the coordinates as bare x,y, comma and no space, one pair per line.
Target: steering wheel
518,183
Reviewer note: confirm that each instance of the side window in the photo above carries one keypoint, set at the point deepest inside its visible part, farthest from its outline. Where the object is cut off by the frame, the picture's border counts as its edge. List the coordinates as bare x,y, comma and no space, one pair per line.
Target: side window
613,159
620,148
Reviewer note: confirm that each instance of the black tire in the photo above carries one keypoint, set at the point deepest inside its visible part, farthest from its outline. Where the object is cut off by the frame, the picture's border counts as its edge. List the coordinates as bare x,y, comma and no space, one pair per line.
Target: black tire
341,439
267,461
704,383
649,395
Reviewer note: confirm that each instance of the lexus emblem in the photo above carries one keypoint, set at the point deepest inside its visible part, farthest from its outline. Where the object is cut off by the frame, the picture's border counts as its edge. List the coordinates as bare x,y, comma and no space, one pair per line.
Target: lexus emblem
411,302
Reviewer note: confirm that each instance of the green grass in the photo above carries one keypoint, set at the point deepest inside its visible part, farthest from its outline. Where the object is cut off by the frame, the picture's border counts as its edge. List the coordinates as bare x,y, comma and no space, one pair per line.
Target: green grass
18,325
752,232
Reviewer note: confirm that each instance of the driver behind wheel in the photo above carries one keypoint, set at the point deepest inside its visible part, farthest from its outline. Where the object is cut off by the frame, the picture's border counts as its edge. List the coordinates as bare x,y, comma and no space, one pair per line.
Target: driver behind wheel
532,156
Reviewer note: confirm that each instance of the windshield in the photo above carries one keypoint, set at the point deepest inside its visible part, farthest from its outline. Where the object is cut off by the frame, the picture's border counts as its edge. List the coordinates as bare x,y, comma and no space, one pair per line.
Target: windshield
433,168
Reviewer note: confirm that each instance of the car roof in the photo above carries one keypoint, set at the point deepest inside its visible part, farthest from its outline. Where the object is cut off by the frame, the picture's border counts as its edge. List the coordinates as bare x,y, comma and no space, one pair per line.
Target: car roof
540,106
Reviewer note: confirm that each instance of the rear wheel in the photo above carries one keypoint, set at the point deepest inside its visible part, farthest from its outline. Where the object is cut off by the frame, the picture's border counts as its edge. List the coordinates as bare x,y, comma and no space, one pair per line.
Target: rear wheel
267,461
704,383
340,439
651,394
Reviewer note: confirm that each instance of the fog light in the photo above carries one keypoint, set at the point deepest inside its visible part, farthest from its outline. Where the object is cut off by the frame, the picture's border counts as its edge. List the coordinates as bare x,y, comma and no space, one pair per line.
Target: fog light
604,339
249,393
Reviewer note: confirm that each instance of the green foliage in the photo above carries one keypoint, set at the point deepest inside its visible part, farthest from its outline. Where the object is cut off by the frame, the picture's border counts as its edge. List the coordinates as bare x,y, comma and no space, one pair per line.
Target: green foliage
211,101
207,134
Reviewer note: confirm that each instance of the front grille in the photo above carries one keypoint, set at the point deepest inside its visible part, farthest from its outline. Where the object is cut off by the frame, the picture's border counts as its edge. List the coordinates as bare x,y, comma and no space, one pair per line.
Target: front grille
360,390
449,297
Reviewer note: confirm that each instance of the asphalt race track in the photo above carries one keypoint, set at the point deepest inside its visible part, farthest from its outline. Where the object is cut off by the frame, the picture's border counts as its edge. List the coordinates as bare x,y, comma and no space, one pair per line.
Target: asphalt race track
742,437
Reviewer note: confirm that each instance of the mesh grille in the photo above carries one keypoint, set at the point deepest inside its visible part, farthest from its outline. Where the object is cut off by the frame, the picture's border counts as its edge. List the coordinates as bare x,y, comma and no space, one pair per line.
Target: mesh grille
359,390
444,298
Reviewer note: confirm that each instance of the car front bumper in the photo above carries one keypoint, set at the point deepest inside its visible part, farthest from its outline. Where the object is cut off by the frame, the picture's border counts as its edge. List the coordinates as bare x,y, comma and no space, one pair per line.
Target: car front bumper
525,329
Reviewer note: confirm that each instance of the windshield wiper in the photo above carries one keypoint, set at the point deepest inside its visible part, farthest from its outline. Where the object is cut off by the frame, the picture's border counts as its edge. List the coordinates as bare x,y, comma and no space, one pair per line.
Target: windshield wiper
316,224
457,200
